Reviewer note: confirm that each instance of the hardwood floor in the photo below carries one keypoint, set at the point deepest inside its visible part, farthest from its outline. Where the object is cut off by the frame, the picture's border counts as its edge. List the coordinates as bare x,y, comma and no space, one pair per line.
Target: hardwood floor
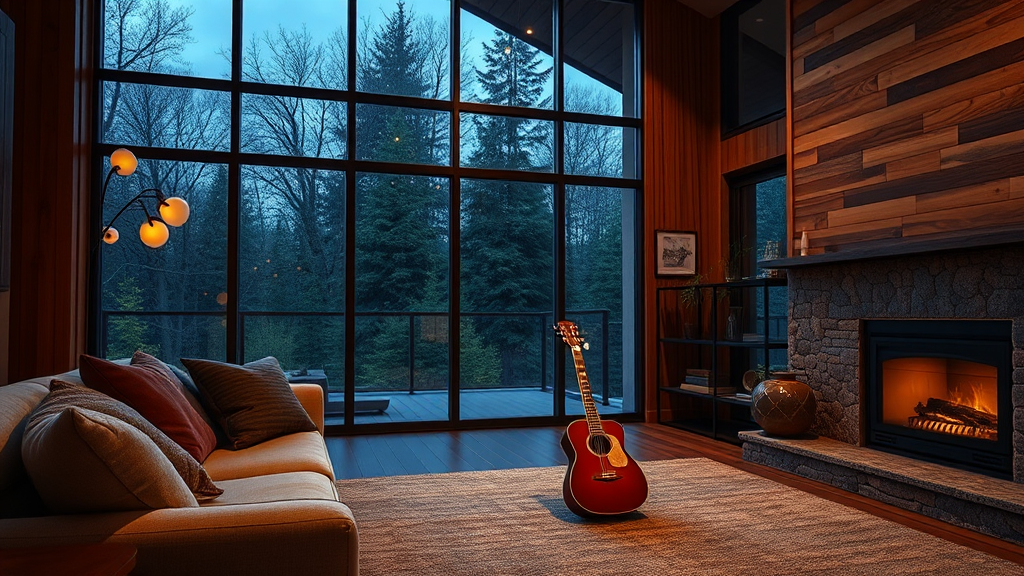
470,450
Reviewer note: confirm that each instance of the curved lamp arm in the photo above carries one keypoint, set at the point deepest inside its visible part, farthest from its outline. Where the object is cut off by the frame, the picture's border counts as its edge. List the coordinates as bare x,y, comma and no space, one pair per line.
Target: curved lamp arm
137,198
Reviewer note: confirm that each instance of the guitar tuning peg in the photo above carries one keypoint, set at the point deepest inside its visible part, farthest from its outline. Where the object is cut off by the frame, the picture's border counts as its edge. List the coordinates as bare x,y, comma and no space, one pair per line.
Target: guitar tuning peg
586,345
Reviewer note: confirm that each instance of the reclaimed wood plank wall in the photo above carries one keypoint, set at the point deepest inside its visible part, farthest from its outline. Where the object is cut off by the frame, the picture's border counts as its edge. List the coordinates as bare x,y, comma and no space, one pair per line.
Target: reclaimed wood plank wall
908,119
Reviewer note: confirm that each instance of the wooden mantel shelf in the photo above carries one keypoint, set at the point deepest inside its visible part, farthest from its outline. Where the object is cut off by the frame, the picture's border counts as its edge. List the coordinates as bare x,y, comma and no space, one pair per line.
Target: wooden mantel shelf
904,246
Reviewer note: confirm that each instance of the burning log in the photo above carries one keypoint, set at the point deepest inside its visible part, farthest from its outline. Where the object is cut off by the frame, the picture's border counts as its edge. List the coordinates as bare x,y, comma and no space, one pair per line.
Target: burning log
949,412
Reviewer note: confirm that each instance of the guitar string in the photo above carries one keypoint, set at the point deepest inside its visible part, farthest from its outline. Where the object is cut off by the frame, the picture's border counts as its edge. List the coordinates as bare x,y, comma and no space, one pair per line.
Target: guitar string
590,409
585,393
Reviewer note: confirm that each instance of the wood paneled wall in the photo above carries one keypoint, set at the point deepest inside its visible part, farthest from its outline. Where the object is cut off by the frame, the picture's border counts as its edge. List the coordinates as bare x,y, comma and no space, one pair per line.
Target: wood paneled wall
908,119
757,146
53,55
682,170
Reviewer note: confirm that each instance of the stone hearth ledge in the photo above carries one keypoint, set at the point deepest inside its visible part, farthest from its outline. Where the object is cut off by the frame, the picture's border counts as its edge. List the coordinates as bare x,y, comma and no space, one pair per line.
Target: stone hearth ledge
974,501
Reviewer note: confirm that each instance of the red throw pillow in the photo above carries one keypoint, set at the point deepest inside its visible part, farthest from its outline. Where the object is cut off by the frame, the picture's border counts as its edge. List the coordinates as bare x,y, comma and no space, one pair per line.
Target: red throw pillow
156,397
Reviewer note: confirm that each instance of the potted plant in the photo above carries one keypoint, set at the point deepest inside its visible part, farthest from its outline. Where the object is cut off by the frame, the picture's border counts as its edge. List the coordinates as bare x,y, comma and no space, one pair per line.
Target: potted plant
733,261
691,298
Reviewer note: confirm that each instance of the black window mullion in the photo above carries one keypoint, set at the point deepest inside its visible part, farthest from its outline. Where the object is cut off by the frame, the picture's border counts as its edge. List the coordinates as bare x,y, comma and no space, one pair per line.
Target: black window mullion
96,340
350,227
557,29
234,344
454,219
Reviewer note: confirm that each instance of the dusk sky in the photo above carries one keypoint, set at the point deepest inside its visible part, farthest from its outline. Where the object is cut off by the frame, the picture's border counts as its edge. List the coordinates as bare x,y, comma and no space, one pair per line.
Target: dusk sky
211,28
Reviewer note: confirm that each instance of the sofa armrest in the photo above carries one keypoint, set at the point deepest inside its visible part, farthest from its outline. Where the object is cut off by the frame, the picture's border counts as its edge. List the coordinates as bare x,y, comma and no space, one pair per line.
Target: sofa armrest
311,396
290,537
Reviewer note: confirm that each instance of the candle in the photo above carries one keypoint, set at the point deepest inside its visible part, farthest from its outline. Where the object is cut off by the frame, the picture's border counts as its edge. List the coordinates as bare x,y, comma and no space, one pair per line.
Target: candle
803,243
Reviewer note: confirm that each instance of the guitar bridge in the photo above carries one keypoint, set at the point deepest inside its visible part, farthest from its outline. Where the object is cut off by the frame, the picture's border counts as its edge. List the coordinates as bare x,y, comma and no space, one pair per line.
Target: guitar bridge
606,477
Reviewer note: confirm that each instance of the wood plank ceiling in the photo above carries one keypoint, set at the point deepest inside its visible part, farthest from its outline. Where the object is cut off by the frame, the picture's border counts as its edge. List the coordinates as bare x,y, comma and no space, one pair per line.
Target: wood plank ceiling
594,31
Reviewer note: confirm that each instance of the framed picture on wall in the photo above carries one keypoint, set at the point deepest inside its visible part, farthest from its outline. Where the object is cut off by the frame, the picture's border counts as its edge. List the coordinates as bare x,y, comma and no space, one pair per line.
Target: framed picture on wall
676,253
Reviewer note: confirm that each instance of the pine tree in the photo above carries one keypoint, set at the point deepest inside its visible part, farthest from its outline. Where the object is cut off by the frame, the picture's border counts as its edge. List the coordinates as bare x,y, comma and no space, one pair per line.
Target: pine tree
513,77
401,221
391,66
506,238
126,333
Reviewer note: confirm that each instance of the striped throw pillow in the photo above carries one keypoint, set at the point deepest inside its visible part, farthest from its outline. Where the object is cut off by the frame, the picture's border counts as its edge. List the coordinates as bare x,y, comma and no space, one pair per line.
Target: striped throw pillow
252,403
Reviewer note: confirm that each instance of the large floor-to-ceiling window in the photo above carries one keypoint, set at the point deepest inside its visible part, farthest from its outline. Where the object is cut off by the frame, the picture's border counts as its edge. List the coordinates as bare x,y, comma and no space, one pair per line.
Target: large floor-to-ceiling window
396,199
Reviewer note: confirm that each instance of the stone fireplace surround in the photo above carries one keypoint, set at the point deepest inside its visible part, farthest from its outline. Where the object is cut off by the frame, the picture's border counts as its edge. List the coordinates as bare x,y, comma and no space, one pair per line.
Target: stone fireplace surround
827,302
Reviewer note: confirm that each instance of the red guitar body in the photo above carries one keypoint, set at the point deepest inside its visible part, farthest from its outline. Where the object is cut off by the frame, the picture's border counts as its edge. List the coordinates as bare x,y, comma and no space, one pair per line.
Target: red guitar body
592,485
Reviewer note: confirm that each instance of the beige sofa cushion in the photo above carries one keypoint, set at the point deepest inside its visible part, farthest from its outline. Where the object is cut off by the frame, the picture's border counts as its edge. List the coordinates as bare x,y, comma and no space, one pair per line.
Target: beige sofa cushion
17,495
64,394
293,537
299,452
276,488
84,461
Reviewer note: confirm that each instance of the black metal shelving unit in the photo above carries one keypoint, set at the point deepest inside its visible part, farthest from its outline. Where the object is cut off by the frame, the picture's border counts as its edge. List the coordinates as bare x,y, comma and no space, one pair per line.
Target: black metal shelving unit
719,416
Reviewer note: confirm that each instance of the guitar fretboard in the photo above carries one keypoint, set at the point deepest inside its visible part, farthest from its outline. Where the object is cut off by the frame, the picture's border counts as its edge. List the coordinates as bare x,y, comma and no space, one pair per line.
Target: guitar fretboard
593,419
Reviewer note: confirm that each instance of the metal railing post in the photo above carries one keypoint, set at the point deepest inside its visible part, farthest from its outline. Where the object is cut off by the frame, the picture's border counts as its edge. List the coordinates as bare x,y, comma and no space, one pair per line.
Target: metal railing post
604,357
104,319
543,353
412,352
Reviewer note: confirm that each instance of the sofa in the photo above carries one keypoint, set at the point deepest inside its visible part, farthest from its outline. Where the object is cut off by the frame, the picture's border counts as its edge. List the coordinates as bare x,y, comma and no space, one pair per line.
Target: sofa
280,512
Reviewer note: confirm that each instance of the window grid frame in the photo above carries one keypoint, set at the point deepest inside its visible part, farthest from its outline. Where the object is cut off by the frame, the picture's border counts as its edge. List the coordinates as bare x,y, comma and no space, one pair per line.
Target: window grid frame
455,172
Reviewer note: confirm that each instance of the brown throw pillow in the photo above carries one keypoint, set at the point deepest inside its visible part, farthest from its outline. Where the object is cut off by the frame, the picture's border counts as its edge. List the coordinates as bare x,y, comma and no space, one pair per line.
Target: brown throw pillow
84,461
150,388
252,403
65,394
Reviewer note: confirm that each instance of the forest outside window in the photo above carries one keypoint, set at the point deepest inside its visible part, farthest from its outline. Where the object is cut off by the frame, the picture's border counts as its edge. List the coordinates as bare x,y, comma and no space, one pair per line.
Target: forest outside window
376,205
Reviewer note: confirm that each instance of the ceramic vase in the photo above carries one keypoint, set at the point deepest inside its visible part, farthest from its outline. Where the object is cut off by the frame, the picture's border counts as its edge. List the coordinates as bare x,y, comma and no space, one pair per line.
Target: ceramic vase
783,406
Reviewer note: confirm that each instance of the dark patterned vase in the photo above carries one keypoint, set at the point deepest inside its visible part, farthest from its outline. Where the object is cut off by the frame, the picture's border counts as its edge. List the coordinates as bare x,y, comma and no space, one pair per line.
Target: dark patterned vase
783,406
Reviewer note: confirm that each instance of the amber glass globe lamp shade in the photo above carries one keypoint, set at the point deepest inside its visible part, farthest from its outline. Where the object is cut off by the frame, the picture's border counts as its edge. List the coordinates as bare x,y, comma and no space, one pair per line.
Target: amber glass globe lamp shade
111,235
123,162
174,211
153,233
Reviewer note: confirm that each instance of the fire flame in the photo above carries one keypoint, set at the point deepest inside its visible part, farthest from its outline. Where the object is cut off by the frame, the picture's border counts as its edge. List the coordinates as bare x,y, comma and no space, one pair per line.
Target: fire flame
972,397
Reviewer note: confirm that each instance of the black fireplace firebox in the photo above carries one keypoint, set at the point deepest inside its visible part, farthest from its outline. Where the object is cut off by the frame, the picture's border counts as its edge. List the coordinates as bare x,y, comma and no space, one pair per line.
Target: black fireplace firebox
939,390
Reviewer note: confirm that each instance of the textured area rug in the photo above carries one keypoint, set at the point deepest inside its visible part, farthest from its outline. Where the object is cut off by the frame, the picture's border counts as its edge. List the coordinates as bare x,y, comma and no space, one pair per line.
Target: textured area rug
702,517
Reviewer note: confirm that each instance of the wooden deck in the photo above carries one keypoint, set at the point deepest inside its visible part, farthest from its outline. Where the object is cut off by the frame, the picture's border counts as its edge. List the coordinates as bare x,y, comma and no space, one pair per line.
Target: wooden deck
432,405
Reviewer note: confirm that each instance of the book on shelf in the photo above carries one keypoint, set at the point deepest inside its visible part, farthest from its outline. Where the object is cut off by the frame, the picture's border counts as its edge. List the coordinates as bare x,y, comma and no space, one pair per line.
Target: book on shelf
698,372
737,395
717,390
752,337
705,381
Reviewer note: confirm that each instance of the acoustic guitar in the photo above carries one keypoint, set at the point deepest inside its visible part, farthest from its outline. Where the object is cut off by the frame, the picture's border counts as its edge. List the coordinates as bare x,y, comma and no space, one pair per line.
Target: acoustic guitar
601,480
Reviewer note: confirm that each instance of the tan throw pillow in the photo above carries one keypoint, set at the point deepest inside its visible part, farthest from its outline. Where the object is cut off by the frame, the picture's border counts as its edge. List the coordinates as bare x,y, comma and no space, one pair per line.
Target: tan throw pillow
252,403
66,394
83,461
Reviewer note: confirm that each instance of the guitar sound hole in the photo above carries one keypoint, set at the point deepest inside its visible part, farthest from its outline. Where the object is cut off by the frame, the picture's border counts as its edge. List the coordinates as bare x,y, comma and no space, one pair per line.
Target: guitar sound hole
599,444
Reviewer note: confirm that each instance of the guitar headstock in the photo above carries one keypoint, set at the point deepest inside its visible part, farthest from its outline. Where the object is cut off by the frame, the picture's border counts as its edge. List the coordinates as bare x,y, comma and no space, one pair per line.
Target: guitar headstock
570,334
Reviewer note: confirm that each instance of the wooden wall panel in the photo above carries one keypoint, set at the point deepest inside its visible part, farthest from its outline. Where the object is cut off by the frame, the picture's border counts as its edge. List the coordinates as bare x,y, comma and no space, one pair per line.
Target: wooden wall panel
53,86
908,119
754,146
682,144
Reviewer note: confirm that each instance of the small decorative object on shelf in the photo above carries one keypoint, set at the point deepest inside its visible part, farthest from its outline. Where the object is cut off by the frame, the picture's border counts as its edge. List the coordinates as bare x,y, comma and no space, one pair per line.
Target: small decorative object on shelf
732,324
783,406
750,380
771,252
804,243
